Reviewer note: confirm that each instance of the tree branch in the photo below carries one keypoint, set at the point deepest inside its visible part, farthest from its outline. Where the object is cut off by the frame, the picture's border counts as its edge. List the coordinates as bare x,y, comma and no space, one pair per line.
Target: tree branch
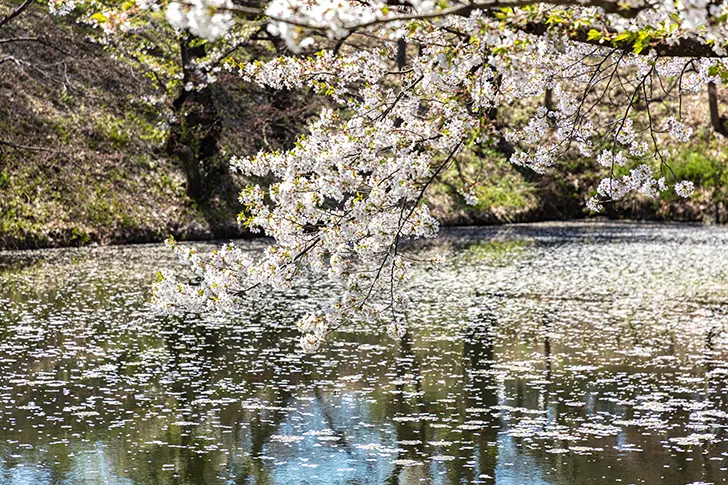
32,39
686,47
15,13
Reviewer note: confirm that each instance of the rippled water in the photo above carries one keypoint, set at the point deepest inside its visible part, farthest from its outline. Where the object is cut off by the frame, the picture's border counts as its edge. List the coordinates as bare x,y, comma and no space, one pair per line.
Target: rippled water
541,354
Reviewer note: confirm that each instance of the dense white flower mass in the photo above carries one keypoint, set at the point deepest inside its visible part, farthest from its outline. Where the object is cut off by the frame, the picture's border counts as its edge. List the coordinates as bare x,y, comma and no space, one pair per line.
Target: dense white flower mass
416,86
209,19
61,7
678,130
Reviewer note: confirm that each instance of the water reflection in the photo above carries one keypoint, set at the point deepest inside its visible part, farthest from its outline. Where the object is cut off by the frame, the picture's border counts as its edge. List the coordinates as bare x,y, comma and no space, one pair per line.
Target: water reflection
544,354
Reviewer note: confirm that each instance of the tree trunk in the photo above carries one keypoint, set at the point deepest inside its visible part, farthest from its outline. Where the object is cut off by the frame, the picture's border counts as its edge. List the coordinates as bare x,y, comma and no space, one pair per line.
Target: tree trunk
194,134
549,99
716,120
401,53
717,206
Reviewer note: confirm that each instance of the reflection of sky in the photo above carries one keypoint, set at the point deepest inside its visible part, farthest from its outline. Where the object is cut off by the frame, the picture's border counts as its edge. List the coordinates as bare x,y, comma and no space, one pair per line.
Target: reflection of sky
23,474
516,468
324,463
89,465
316,459
94,466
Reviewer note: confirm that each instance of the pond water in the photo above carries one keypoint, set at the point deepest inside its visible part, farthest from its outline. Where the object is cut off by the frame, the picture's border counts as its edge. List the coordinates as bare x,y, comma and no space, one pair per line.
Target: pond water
540,354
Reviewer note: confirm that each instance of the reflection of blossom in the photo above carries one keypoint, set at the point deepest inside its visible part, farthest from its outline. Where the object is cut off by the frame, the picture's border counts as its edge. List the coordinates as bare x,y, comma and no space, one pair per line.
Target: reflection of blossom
310,343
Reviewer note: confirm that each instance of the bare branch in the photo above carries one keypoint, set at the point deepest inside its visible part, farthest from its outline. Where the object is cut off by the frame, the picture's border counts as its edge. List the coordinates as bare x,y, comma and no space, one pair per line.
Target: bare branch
15,13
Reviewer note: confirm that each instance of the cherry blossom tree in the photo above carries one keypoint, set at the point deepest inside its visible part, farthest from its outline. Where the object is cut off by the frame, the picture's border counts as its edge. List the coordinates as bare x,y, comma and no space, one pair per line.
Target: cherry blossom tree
414,85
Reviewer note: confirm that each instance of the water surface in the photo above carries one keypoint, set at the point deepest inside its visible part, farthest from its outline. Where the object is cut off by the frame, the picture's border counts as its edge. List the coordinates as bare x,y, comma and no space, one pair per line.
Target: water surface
539,355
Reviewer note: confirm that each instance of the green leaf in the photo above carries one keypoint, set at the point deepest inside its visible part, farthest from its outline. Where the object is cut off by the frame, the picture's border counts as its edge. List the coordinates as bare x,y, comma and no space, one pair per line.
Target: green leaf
594,35
100,18
643,39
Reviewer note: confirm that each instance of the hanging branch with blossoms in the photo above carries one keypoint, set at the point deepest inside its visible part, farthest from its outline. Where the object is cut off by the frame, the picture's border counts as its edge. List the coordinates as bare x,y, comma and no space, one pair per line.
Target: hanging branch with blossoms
412,86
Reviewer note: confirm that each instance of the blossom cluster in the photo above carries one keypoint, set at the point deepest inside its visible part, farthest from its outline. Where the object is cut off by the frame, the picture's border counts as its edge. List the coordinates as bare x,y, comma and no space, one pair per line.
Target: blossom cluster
61,7
209,19
341,202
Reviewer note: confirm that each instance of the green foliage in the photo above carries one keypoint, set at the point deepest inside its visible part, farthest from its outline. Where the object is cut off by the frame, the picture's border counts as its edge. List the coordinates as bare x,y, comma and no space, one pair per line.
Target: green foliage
80,237
703,169
496,183
61,130
511,192
719,70
114,130
706,166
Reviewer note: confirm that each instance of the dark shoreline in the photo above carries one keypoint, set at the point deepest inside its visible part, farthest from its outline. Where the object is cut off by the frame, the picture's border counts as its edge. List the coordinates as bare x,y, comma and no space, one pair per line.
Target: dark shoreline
132,238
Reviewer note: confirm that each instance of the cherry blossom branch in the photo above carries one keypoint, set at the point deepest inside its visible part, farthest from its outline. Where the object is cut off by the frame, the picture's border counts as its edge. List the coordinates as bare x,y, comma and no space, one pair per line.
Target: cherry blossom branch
685,47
